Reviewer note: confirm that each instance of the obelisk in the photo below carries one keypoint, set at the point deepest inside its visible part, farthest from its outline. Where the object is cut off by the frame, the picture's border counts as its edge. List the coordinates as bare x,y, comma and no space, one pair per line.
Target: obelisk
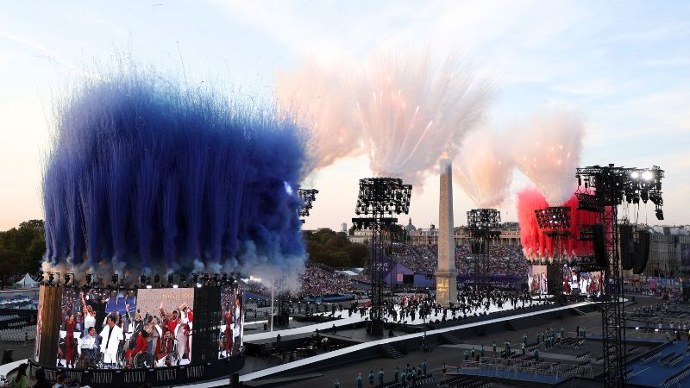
446,275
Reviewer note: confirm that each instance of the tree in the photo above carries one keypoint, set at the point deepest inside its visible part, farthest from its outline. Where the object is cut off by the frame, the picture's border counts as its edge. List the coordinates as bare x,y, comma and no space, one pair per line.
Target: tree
334,249
21,250
8,267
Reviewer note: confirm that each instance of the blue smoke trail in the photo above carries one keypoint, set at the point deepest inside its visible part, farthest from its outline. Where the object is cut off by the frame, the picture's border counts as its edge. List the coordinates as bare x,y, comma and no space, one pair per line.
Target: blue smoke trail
147,176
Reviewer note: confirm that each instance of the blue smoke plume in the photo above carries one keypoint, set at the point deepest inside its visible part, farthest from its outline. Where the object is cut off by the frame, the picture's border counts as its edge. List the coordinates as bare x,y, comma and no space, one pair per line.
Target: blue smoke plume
145,175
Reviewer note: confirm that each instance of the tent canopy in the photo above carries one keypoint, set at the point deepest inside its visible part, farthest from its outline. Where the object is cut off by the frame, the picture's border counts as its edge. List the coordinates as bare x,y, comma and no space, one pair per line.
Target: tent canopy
26,282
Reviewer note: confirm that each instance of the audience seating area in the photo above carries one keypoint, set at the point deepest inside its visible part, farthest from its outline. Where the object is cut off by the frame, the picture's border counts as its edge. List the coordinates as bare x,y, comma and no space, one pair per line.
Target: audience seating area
19,334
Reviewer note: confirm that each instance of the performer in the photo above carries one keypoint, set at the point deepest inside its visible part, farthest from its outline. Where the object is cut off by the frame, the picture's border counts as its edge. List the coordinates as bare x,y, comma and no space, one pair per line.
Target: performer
154,332
165,347
88,345
182,334
137,322
69,341
89,313
170,319
111,336
141,347
237,329
228,318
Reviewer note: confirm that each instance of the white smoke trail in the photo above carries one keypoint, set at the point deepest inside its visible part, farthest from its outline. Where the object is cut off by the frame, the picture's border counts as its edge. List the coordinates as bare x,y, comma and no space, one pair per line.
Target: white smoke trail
319,98
484,167
547,150
412,110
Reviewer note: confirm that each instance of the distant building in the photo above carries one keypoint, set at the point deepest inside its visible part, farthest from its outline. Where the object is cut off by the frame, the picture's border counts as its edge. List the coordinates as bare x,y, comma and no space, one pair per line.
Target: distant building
669,251
509,236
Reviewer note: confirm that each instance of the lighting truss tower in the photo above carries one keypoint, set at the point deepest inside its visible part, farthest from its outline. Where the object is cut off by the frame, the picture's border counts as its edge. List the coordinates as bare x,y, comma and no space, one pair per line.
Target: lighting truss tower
554,221
378,200
601,190
307,196
484,226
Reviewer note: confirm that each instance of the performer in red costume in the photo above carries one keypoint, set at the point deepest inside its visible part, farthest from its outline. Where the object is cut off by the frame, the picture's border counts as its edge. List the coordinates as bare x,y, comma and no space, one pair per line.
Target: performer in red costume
140,347
69,340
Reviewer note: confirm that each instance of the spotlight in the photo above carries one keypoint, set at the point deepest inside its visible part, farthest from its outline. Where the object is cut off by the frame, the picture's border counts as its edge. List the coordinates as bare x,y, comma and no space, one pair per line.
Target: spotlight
51,278
89,279
68,278
171,279
659,214
142,280
115,278
156,279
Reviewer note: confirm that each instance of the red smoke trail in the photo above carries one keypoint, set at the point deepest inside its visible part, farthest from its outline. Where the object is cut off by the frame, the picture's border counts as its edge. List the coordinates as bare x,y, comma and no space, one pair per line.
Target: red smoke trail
535,244
577,219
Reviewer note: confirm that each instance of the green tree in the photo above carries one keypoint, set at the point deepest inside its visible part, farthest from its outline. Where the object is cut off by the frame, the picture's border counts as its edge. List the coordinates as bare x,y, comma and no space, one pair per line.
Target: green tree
8,267
334,249
21,250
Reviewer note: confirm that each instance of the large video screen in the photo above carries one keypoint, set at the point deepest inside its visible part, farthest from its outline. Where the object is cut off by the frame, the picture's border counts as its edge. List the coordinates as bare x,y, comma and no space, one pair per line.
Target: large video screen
536,279
230,338
168,319
126,328
84,315
591,283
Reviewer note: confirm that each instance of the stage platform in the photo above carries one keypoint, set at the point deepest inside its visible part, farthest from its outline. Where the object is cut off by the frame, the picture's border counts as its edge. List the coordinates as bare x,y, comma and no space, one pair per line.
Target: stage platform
368,348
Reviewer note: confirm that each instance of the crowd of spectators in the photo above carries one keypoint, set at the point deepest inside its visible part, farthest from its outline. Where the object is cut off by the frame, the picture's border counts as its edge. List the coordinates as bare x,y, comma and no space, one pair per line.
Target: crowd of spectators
319,281
504,260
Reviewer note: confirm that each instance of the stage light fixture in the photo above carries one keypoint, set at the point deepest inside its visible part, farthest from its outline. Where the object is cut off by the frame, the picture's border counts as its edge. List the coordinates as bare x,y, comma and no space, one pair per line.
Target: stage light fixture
89,279
156,279
115,279
51,278
659,214
171,279
68,278
142,280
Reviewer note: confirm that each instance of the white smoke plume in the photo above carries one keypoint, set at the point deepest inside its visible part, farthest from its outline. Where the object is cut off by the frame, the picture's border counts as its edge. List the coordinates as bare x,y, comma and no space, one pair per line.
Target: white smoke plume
547,150
412,110
318,96
484,167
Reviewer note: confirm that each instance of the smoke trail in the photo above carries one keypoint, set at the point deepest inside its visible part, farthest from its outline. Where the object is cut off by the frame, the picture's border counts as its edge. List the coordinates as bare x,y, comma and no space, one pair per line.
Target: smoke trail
413,110
536,245
484,167
579,218
145,175
548,151
320,99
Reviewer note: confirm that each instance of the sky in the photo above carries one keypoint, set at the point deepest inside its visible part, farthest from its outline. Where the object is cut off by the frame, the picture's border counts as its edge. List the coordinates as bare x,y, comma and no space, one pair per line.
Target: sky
625,65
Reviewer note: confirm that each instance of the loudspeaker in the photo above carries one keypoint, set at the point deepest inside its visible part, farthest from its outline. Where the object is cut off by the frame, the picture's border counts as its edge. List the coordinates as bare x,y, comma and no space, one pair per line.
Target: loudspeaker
554,278
641,252
625,233
600,246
